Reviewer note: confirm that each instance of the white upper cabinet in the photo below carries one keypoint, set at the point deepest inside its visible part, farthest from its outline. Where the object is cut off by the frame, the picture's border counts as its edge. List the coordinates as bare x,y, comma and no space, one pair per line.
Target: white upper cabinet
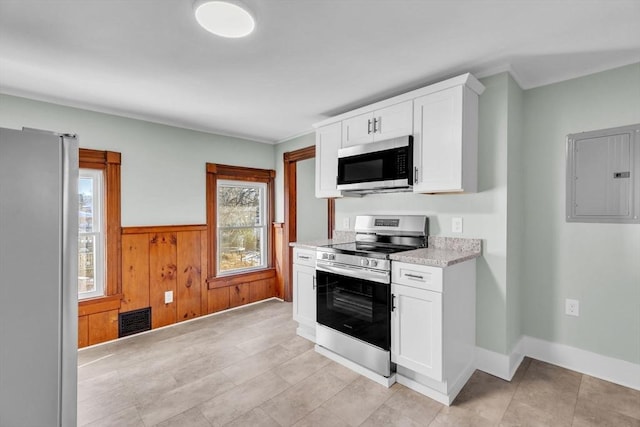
389,122
328,142
446,141
443,119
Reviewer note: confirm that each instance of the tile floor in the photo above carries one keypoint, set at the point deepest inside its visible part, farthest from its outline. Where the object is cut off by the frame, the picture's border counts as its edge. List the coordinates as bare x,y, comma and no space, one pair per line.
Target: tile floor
247,367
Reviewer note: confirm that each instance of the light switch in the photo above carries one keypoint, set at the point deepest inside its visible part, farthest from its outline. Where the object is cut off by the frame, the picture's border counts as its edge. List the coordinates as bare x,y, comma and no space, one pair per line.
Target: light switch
456,225
168,297
345,223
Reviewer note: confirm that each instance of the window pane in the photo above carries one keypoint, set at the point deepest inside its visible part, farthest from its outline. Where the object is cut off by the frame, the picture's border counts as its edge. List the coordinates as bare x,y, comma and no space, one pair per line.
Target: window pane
85,204
86,263
239,205
240,248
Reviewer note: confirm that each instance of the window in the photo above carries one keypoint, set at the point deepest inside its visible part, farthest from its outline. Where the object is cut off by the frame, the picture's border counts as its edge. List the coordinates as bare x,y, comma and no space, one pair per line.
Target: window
99,260
239,215
242,228
91,260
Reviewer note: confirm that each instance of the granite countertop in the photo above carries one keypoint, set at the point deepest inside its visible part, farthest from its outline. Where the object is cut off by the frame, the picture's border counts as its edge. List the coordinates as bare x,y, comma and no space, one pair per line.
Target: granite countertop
442,252
339,236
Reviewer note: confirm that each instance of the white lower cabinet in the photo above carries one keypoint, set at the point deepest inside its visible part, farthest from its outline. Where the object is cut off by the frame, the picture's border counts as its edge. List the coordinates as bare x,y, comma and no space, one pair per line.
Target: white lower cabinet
416,338
304,292
433,327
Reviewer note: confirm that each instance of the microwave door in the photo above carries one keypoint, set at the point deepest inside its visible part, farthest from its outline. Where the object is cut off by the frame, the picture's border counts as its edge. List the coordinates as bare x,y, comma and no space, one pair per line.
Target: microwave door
384,169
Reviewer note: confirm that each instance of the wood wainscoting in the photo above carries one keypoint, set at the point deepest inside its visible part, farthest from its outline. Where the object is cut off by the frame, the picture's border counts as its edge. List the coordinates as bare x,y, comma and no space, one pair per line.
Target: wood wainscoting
173,258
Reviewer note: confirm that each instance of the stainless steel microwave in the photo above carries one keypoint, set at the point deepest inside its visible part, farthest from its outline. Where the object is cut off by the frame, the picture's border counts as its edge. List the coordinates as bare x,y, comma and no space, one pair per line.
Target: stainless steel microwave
376,167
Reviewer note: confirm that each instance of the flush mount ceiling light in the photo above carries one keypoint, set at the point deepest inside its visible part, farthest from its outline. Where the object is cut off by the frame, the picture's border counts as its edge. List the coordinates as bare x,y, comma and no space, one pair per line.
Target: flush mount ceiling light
224,18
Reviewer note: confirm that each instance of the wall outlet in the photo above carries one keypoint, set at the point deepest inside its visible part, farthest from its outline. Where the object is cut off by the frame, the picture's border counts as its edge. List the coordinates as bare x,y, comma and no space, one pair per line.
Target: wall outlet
168,297
456,224
345,223
572,307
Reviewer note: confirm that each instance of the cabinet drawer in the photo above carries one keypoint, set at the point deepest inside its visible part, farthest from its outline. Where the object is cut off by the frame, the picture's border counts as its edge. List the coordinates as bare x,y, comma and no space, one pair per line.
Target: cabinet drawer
304,257
417,276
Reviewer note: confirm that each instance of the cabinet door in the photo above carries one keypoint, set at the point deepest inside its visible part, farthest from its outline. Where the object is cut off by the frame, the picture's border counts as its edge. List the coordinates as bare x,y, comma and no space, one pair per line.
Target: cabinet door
393,121
416,330
438,141
328,141
357,130
304,295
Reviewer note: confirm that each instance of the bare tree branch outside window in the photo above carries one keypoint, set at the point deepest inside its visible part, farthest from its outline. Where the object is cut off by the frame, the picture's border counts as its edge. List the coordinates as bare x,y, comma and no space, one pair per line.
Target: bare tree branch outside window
241,225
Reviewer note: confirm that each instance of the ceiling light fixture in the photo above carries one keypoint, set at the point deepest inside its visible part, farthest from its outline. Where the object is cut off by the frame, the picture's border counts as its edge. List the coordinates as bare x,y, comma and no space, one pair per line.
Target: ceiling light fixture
224,18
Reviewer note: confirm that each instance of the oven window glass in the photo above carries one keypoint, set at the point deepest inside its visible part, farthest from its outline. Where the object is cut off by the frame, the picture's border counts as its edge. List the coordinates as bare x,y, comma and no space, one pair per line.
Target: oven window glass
356,307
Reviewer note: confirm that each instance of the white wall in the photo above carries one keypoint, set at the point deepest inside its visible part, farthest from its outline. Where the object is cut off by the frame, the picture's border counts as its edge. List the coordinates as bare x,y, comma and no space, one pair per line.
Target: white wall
597,264
163,167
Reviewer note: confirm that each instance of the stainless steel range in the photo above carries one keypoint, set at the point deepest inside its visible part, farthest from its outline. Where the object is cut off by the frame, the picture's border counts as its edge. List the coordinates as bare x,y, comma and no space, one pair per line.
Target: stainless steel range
354,288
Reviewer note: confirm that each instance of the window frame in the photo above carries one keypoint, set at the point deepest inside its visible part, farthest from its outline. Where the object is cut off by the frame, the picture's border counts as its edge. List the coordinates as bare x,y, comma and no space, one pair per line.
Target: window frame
98,217
217,172
262,226
109,162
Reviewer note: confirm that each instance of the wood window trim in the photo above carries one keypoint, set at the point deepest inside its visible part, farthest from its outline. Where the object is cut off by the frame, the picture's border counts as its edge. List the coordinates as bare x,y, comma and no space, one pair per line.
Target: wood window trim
109,162
216,172
290,212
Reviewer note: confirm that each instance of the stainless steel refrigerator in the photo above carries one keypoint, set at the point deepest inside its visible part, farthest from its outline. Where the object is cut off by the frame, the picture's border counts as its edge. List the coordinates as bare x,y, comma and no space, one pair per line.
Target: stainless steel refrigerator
38,278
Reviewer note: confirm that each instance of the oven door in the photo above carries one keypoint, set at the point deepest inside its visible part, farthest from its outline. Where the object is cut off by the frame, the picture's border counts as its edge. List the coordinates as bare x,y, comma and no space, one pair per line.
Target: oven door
354,306
384,164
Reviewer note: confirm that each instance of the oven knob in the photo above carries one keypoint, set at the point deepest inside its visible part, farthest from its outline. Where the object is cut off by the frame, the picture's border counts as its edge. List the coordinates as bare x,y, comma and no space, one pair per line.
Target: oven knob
373,263
331,257
364,262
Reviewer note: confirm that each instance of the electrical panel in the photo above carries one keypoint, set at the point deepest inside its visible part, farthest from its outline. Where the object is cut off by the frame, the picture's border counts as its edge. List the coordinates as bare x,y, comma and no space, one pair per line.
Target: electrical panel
603,175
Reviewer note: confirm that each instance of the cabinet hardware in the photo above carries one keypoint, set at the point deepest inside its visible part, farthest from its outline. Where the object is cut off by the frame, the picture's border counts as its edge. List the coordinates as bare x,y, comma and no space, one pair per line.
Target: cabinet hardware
415,174
622,174
393,302
304,257
414,276
376,124
368,126
314,283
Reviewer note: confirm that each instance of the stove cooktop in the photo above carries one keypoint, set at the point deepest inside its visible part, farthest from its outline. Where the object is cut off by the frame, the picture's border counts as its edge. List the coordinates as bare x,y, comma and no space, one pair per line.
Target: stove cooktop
367,249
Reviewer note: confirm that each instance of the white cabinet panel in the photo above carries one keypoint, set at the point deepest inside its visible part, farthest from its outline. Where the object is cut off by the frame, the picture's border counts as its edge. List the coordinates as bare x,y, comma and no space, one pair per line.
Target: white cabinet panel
445,141
417,276
393,121
416,336
357,130
304,295
385,123
328,142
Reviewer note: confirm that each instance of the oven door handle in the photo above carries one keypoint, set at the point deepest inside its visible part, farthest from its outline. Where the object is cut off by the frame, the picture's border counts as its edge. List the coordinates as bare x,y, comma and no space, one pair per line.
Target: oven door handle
356,273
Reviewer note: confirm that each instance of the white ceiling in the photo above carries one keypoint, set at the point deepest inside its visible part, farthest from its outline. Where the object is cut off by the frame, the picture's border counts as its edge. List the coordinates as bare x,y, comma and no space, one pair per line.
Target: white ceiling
306,61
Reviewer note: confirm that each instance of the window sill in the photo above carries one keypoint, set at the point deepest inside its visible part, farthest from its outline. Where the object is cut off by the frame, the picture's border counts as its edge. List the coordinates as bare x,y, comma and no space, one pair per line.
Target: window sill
99,304
236,279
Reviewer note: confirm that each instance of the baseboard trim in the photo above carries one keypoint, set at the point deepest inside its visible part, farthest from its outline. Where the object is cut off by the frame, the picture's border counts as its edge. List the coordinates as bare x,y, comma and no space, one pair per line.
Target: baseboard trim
500,365
586,362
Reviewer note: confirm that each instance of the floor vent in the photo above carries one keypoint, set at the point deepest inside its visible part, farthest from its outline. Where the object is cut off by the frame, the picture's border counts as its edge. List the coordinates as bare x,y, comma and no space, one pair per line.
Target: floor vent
133,322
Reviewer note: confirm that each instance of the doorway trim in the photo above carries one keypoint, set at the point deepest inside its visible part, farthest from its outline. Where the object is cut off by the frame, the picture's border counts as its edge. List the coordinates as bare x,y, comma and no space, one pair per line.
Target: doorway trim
290,212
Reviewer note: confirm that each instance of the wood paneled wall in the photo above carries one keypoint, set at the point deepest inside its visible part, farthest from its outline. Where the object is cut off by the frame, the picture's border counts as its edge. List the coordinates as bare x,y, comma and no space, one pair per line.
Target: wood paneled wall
156,260
173,258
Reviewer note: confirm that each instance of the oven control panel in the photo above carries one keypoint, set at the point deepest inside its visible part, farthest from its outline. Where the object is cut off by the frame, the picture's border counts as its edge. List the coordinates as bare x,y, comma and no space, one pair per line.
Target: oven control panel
355,261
